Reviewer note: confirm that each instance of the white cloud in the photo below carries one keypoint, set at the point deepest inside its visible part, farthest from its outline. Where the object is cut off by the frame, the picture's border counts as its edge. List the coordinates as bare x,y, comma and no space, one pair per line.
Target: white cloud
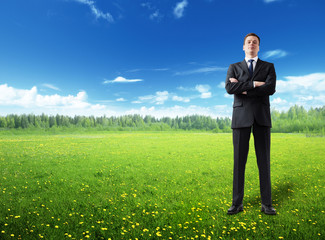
97,12
278,101
230,96
206,95
314,82
179,8
202,70
215,111
269,1
223,110
185,88
306,90
122,80
278,53
51,86
159,98
204,90
156,15
181,99
120,100
160,69
320,98
29,100
146,98
221,85
306,98
147,5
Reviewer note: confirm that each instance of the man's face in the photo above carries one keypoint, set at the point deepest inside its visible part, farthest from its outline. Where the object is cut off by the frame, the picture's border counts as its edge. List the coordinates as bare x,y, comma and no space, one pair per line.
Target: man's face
251,46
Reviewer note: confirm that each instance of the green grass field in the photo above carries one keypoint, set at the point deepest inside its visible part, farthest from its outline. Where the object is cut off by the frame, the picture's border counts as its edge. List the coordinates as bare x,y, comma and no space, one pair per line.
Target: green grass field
166,185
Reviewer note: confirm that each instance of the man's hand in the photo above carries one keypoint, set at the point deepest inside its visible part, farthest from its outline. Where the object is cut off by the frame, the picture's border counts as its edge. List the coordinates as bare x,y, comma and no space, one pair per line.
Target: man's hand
233,80
258,84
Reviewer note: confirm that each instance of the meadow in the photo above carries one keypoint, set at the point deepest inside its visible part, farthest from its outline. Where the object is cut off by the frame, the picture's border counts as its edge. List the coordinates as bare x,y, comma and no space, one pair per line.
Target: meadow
155,185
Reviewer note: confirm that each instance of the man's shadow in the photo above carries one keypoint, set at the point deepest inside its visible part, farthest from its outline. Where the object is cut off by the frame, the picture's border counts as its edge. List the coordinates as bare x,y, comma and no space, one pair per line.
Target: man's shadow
281,193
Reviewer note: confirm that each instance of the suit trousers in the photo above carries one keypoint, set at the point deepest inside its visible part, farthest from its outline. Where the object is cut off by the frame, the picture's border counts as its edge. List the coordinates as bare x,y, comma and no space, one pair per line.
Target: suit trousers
262,141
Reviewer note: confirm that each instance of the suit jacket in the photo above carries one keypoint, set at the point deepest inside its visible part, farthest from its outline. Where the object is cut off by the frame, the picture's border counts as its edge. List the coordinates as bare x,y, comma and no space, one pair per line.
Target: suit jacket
255,106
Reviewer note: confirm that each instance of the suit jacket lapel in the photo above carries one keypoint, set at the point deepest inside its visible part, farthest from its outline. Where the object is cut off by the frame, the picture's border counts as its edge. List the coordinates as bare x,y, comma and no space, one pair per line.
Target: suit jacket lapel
244,66
257,67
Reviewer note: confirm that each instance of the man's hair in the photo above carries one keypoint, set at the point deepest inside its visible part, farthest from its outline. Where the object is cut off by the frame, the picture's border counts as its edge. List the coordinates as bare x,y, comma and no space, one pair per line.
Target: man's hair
252,34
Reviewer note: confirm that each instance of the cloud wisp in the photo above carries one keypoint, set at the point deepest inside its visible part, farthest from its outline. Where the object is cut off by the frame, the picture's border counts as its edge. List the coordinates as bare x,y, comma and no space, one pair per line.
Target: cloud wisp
202,70
96,11
159,98
278,53
179,8
51,86
122,80
155,13
269,1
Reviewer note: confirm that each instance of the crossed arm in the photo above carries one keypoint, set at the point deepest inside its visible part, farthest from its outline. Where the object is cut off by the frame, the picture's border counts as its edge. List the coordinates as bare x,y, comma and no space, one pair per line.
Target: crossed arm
256,84
262,86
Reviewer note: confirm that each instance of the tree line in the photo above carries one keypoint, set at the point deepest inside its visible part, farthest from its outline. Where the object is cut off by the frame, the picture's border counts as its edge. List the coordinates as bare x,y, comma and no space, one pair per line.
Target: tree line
296,119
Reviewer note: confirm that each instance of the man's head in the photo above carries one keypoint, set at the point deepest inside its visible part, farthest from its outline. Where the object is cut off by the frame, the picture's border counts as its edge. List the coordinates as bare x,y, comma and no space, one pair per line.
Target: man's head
251,45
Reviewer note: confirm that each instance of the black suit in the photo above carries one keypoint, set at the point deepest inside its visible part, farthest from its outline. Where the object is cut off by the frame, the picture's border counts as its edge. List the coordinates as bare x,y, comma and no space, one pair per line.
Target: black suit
251,110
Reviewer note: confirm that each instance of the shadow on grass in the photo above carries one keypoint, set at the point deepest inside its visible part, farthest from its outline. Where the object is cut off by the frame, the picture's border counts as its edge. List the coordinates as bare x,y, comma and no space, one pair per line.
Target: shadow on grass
281,193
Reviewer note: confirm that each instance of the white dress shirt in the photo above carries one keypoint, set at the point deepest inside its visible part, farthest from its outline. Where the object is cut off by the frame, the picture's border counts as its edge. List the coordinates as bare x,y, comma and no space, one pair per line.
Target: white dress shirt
254,64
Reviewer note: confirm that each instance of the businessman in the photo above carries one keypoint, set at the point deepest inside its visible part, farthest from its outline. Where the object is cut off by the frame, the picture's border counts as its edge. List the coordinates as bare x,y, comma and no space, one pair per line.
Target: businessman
251,81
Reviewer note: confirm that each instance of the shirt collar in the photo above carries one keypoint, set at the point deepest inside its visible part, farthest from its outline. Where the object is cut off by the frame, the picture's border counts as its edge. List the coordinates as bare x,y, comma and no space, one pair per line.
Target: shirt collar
255,59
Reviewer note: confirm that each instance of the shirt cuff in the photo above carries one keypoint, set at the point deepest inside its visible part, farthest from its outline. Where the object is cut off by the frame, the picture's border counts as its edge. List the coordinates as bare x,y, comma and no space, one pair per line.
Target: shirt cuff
254,84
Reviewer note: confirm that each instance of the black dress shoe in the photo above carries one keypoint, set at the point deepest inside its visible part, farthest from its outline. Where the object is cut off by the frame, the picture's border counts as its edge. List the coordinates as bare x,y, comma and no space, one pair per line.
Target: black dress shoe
269,210
235,209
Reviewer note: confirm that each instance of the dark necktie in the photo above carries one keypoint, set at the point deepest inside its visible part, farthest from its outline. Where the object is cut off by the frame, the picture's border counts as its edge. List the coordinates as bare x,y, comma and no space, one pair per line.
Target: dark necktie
250,67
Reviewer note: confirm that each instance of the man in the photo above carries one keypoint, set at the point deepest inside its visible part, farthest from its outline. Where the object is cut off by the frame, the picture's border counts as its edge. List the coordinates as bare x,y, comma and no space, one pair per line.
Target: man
251,81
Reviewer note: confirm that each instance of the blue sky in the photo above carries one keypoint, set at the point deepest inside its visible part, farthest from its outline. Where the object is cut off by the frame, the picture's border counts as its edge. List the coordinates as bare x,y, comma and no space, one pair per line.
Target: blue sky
153,57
